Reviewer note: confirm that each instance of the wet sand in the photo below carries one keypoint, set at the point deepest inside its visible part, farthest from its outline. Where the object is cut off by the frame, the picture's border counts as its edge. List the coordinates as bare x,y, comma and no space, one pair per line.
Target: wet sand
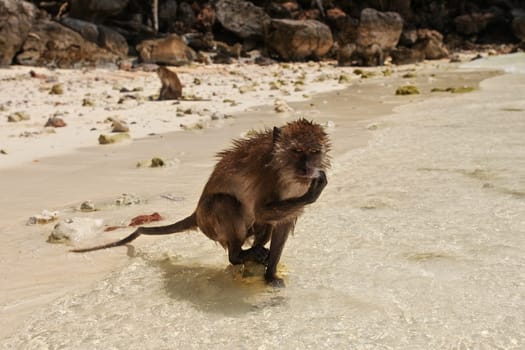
391,250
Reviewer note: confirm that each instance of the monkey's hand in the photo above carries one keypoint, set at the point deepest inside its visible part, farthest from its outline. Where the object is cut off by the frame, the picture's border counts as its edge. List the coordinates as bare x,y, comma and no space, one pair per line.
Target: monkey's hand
316,187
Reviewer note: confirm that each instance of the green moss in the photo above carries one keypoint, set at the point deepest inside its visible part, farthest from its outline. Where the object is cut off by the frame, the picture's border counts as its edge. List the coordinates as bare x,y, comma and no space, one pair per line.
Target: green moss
455,90
407,90
109,139
86,102
409,75
157,162
344,79
56,89
462,89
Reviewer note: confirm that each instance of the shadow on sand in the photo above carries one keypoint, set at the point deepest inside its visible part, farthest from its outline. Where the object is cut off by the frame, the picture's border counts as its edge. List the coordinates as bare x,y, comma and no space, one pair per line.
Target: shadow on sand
234,290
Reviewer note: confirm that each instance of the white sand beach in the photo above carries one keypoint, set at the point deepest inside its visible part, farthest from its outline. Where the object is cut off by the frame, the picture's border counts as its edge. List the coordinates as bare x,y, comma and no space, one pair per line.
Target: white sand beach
417,241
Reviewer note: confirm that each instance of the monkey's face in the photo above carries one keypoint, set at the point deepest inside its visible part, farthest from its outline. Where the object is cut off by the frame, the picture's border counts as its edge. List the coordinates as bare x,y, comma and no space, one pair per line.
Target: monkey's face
307,163
301,149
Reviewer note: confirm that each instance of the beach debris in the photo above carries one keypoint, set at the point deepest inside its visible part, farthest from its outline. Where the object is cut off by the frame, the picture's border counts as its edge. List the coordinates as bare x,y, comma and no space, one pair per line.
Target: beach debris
455,90
55,122
183,111
155,162
144,219
109,139
75,230
363,73
3,151
329,124
231,102
18,117
86,102
409,75
56,89
45,217
36,75
127,199
87,206
281,107
196,126
126,90
343,79
118,125
372,126
172,197
407,90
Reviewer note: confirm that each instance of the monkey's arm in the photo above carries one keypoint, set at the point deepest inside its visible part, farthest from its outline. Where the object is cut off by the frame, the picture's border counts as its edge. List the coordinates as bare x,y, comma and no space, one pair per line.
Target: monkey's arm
280,210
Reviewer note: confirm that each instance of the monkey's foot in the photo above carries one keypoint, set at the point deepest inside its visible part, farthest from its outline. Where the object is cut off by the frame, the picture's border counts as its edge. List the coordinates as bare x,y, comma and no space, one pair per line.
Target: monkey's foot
258,254
274,281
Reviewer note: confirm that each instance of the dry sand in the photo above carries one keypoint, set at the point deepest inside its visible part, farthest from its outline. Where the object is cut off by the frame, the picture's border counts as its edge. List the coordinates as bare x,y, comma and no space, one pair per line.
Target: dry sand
357,205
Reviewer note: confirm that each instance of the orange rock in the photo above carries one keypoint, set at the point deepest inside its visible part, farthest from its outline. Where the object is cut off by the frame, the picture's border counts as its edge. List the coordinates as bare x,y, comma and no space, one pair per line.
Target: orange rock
144,219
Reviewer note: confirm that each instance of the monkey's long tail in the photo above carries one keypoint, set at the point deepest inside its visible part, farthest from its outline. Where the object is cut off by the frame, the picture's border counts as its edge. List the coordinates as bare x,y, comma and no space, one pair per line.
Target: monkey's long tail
183,225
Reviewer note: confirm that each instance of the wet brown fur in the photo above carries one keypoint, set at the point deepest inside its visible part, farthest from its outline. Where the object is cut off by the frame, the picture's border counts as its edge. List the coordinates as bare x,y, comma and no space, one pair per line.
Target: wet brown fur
258,188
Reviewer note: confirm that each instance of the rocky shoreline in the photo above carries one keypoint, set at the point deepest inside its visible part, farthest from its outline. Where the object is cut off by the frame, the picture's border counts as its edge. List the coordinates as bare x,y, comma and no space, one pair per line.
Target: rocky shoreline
128,33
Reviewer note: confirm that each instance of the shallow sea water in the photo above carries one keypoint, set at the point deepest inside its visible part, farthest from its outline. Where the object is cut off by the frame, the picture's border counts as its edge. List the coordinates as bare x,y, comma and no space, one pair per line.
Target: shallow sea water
418,242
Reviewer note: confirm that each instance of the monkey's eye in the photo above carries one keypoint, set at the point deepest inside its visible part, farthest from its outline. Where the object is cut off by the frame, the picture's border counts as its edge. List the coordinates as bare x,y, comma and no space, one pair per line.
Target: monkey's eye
297,150
315,151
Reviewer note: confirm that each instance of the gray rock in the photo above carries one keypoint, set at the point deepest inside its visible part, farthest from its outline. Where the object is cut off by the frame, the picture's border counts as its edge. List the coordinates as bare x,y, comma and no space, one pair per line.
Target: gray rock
298,40
103,36
381,28
54,45
242,18
518,24
75,230
171,50
16,19
96,9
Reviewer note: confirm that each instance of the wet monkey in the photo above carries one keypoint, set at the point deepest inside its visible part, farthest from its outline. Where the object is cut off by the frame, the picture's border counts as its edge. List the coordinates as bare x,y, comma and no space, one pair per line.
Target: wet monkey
259,187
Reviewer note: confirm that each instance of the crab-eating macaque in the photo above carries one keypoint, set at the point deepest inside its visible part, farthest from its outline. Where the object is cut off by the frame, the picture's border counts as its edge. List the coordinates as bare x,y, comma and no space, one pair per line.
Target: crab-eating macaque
258,188
171,87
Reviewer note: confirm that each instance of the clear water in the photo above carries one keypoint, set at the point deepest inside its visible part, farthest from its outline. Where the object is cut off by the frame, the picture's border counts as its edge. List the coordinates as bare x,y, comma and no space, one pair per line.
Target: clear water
418,242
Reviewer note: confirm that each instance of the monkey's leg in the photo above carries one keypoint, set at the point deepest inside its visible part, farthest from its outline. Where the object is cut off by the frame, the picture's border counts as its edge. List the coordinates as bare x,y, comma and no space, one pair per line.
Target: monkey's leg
279,237
220,217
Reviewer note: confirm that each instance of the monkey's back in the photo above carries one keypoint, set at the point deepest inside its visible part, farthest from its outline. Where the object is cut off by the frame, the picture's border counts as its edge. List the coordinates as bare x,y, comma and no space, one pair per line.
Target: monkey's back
244,171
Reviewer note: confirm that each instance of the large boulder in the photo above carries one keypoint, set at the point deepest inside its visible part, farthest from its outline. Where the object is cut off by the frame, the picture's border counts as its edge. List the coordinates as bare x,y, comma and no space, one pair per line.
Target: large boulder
92,10
51,44
470,24
298,40
16,19
101,35
430,43
242,18
171,50
344,27
381,28
518,24
422,44
404,55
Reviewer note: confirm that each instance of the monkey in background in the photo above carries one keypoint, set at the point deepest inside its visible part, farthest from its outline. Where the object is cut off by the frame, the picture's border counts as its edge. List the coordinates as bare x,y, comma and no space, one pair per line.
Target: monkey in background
171,86
259,187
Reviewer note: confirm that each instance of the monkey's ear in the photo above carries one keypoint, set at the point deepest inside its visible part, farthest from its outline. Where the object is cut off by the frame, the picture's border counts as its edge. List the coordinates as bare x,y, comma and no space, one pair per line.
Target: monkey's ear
276,134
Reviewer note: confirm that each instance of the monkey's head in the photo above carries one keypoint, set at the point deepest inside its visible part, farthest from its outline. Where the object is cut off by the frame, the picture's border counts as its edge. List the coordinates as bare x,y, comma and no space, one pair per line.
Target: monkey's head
300,149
